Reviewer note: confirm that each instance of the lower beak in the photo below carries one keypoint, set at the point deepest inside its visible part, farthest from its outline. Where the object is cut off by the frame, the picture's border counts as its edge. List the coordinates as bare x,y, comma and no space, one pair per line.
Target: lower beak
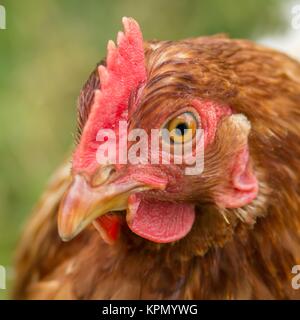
82,204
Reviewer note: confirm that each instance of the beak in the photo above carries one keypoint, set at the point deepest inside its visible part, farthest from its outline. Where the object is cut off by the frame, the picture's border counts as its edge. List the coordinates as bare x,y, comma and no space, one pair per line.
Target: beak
82,203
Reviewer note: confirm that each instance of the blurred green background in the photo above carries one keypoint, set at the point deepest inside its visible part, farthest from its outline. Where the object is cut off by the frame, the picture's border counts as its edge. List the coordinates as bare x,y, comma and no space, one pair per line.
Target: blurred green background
46,54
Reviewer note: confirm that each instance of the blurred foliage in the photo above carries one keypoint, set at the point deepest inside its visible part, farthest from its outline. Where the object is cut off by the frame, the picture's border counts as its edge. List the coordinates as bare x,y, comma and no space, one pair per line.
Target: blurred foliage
47,52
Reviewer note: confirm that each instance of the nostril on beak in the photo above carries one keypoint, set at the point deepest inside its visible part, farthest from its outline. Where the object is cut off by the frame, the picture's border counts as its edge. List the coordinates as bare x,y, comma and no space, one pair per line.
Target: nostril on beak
102,175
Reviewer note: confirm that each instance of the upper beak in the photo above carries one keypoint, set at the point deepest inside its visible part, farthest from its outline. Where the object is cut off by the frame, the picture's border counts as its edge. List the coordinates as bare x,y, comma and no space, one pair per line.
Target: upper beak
82,203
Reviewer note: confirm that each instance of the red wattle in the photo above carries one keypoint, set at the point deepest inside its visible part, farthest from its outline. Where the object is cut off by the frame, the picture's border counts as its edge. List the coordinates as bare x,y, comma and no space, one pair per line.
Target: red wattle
159,221
109,227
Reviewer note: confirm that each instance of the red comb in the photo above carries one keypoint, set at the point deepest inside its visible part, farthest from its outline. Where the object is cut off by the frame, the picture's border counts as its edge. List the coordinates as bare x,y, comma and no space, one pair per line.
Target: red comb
125,70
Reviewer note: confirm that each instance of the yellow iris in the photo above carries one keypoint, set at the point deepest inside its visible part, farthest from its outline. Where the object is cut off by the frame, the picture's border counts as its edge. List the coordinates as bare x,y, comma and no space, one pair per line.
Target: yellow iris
182,128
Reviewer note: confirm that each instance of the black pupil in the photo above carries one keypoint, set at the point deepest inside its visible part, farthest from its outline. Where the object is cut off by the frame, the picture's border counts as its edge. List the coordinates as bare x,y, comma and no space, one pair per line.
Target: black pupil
180,128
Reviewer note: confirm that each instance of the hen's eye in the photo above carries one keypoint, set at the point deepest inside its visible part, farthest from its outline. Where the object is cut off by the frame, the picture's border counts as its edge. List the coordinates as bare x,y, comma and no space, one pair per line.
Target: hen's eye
182,128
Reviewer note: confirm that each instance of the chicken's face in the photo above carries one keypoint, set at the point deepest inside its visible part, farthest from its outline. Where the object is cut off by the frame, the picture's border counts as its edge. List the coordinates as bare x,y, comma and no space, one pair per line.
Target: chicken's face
153,87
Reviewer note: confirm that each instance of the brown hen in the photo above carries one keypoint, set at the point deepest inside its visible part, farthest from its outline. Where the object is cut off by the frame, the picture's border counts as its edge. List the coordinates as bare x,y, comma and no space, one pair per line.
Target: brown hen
237,235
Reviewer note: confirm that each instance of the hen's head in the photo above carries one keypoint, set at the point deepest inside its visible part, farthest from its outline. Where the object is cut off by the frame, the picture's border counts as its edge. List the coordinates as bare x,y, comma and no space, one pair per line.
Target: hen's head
207,92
